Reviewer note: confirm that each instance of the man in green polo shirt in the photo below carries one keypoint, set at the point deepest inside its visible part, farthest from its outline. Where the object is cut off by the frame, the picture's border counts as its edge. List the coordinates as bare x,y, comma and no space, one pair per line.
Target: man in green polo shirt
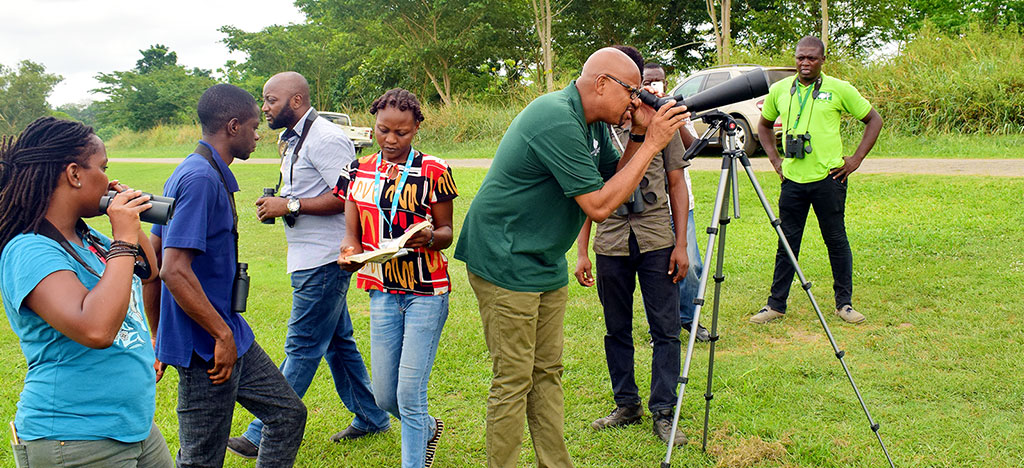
814,172
555,166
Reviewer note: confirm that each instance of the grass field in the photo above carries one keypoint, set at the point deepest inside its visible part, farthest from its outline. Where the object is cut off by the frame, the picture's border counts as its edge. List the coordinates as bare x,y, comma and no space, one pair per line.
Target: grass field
179,141
939,264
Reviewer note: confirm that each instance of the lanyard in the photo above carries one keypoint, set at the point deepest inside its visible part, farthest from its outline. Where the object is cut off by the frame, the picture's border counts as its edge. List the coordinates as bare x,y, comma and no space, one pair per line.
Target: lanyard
802,100
398,187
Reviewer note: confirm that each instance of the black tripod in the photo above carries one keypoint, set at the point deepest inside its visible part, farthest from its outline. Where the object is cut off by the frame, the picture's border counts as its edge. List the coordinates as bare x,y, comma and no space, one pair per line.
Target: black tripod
731,155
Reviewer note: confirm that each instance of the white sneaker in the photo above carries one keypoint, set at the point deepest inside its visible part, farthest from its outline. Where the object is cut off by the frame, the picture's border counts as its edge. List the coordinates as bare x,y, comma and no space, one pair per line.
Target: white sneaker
851,316
765,315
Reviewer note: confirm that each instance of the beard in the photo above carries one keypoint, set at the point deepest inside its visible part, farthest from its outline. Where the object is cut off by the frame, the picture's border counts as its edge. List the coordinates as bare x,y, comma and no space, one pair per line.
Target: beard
283,119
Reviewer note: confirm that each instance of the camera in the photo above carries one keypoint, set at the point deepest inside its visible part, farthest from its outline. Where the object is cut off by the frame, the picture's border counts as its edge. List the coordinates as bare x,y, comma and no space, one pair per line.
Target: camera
160,213
798,145
288,218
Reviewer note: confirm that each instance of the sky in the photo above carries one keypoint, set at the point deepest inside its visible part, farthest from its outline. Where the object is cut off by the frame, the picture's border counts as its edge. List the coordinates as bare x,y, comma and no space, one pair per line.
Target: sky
78,39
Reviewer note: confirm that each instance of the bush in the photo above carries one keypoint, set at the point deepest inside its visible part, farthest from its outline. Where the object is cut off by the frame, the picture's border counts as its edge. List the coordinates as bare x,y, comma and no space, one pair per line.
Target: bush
967,83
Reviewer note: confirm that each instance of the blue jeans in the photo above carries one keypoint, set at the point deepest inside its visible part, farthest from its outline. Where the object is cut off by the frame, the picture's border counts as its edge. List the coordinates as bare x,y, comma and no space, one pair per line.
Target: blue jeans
321,327
689,285
205,411
404,333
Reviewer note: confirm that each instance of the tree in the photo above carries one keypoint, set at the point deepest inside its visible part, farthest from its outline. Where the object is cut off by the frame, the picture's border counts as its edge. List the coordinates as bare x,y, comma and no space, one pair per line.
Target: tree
154,58
319,53
158,91
23,95
440,41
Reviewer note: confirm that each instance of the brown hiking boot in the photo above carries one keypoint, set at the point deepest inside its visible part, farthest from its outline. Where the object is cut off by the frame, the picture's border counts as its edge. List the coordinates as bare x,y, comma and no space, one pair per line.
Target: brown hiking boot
620,416
662,427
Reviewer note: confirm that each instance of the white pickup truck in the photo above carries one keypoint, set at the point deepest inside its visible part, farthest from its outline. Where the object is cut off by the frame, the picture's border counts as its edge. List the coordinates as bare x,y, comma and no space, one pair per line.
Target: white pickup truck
362,137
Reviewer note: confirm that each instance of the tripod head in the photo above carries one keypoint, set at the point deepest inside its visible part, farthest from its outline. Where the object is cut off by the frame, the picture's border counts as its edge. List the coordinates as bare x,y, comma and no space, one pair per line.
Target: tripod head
717,121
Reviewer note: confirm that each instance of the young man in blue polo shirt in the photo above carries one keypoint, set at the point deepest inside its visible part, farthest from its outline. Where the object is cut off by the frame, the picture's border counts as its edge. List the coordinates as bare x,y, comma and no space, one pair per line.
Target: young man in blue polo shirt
814,172
211,346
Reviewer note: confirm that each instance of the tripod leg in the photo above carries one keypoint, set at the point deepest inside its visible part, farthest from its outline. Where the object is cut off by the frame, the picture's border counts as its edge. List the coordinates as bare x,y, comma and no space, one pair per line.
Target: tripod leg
719,278
720,201
814,303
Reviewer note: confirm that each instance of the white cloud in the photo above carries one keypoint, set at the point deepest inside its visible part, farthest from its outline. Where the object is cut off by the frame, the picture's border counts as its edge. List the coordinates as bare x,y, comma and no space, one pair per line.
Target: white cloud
80,38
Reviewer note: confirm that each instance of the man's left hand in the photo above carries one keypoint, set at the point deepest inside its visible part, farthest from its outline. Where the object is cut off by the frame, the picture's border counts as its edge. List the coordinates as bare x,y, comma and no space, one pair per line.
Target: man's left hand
850,164
271,207
678,263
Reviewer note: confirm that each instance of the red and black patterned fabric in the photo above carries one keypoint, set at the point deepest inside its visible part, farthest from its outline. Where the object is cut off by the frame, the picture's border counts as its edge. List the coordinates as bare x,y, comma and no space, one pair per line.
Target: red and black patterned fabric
423,271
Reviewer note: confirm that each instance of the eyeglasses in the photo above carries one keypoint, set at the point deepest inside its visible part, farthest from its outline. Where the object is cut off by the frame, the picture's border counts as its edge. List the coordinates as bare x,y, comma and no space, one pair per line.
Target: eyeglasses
633,92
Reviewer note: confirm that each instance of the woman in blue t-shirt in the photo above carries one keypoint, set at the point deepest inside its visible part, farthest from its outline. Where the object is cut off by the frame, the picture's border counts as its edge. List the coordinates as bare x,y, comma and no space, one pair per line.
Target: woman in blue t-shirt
74,300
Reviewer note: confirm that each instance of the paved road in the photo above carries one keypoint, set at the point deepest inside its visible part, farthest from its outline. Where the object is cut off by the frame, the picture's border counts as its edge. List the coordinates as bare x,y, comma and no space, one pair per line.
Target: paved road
980,167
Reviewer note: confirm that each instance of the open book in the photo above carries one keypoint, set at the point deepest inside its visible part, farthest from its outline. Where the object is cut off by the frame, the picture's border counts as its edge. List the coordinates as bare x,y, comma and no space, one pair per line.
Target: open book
391,249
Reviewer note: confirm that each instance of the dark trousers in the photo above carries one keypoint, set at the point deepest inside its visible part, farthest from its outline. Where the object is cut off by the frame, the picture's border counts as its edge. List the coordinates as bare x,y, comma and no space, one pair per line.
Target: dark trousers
616,281
205,411
828,197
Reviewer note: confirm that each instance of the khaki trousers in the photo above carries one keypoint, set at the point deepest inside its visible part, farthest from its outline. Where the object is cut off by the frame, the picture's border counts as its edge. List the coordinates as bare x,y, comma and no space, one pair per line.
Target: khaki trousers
523,331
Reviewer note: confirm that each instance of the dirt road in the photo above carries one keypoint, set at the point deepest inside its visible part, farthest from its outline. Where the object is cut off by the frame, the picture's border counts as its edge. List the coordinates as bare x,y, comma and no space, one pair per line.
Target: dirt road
979,167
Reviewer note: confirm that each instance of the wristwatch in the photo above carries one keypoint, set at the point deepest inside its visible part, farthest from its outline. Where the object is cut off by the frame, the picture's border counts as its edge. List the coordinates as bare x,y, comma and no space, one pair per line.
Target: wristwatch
637,138
293,206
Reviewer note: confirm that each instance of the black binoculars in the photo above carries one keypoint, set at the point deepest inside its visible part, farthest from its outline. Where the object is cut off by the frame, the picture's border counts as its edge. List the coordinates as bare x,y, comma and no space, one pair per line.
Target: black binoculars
160,213
288,218
798,145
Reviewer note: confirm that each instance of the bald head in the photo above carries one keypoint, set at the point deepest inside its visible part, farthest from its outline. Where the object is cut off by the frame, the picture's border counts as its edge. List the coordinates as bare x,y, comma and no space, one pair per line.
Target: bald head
613,62
285,99
603,98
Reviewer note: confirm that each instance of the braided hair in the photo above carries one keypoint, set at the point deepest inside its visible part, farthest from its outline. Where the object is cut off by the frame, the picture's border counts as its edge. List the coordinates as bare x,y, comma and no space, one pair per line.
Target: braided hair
30,167
399,99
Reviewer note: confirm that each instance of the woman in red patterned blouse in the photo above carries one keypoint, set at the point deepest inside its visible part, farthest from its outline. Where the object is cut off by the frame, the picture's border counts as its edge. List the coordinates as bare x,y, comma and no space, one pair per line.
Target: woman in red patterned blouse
386,193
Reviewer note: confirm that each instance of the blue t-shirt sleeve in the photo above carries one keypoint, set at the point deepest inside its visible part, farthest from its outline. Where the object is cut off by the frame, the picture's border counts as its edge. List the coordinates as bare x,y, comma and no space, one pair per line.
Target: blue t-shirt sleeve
27,260
196,196
332,157
565,152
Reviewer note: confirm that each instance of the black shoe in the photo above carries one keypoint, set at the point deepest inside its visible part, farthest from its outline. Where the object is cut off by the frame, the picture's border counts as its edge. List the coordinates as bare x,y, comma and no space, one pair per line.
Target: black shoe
702,333
351,433
662,427
620,416
242,447
432,443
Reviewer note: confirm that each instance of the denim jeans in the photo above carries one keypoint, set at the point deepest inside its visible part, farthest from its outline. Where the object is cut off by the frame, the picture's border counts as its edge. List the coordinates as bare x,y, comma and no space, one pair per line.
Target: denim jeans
205,411
104,453
321,327
828,198
404,333
689,285
616,280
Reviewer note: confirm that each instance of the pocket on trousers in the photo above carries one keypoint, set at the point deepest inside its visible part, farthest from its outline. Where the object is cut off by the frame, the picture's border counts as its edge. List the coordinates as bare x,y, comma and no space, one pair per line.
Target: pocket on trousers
20,455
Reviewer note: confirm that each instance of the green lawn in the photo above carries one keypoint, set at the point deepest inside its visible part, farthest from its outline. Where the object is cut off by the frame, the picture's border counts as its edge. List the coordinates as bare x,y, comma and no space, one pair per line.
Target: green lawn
888,146
939,263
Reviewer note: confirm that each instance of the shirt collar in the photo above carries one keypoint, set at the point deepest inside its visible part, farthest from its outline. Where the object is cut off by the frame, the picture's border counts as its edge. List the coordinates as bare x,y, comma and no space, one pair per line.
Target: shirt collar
302,122
229,177
575,101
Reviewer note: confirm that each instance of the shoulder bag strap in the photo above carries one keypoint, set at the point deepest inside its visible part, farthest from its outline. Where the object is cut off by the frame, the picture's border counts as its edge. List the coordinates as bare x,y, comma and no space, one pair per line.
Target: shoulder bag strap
295,153
205,152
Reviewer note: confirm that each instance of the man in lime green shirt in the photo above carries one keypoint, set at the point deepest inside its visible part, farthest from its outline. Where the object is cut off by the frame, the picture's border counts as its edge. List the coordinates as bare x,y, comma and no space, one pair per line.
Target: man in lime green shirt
814,172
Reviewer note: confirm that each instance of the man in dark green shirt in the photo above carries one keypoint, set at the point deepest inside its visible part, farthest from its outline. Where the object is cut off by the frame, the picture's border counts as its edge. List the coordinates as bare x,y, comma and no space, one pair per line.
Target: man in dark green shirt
814,173
555,166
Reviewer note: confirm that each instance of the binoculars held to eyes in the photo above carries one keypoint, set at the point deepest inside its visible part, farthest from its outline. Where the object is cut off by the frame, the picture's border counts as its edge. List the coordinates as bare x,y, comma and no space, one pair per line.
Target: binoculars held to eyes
160,212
